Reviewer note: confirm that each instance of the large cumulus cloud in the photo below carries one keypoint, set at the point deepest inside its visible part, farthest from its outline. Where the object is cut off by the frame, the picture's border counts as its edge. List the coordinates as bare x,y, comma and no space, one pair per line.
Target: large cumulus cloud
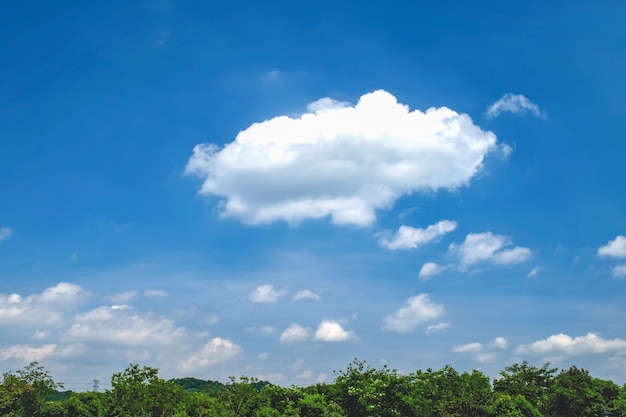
341,161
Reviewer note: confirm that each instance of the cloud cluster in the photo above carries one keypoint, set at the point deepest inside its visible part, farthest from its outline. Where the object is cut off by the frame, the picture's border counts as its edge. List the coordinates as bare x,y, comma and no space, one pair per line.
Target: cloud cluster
47,308
615,248
514,103
483,353
479,248
418,309
410,238
114,331
340,160
327,331
563,343
266,293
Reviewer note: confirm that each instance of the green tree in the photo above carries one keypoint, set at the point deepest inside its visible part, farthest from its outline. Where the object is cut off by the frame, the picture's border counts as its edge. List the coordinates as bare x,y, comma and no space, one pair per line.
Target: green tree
527,380
240,397
139,392
85,404
26,392
573,395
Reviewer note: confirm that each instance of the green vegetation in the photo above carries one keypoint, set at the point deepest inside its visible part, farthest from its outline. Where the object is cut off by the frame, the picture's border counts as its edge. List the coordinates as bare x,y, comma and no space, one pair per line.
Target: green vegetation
522,390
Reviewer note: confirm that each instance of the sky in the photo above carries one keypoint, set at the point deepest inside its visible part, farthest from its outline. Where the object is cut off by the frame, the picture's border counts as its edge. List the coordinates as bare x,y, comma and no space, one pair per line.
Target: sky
275,188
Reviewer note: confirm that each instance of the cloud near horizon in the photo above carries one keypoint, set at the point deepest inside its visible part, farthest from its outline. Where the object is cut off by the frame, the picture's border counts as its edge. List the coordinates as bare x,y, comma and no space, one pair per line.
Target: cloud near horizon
340,161
563,343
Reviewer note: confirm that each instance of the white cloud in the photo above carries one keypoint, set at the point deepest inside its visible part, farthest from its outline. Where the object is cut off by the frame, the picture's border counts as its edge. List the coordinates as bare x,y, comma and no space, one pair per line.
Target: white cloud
410,238
565,344
512,256
48,308
265,294
514,103
295,333
28,353
5,233
619,270
430,269
341,161
499,342
217,350
468,348
331,331
615,248
306,294
419,309
482,247
533,272
438,327
121,325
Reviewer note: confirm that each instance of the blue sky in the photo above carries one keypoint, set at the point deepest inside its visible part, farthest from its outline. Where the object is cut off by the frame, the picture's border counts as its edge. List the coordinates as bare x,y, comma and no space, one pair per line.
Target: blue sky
275,188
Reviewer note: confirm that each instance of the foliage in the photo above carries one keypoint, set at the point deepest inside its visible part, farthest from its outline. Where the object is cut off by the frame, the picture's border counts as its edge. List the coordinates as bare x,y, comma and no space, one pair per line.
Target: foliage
139,392
26,392
522,390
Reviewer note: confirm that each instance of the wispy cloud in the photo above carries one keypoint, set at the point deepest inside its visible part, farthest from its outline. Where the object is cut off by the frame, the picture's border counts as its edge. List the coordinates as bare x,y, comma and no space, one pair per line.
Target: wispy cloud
5,233
410,238
340,161
514,103
305,295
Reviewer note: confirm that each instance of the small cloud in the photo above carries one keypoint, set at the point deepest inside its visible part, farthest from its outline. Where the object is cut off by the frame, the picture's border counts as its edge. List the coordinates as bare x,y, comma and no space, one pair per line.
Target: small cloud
565,344
419,309
533,272
516,104
331,331
488,247
439,327
615,248
430,269
306,294
619,270
295,333
265,294
498,342
73,258
27,353
512,256
5,233
410,238
468,348
263,356
217,350
155,293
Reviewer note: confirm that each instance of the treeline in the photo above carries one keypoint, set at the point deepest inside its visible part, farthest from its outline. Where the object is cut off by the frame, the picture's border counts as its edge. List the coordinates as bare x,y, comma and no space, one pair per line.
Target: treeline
522,390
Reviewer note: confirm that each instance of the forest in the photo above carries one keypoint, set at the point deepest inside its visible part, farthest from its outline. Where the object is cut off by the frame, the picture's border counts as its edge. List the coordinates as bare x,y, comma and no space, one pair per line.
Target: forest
521,390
